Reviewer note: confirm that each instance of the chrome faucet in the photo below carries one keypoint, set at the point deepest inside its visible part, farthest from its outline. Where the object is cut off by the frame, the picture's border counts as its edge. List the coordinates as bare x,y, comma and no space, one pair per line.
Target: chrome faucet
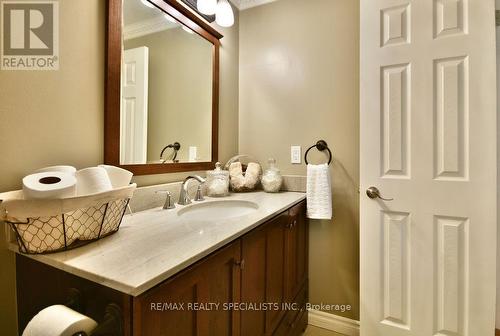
169,204
183,195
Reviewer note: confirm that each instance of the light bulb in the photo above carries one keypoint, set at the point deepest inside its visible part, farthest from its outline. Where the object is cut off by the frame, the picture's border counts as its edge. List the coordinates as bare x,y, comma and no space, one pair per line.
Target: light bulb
206,6
224,15
147,3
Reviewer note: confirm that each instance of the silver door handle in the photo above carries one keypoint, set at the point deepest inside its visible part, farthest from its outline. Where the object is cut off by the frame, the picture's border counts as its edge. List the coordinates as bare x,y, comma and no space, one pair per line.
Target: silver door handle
373,193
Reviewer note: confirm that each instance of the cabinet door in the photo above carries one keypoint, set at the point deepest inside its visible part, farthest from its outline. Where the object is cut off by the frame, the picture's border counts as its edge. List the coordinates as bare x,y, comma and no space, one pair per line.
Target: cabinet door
275,268
296,250
169,309
164,309
302,235
253,284
223,274
262,278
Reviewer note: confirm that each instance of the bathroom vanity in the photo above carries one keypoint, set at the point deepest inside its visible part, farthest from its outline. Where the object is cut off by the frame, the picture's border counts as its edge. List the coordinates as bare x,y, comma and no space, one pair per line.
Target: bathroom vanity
235,265
188,271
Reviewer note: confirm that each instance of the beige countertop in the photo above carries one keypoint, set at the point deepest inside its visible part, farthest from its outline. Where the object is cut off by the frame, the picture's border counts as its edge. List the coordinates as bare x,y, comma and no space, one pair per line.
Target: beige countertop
155,244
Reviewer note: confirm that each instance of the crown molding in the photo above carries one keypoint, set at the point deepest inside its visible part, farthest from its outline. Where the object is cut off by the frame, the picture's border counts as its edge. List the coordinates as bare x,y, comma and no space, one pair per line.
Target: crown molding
146,27
245,4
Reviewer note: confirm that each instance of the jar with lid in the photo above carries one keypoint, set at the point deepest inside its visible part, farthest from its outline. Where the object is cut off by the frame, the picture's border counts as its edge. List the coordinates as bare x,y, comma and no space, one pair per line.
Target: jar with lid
217,182
272,179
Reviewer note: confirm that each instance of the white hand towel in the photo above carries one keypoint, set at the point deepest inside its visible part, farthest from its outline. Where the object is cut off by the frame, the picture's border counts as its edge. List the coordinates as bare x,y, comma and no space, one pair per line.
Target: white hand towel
319,192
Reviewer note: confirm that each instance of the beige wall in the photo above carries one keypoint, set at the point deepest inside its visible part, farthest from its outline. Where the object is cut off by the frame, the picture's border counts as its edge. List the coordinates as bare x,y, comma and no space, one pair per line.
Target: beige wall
52,117
180,92
299,83
49,118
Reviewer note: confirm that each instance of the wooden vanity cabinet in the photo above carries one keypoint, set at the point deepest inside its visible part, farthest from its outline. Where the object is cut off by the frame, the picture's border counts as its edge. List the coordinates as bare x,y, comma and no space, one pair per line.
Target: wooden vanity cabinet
263,277
169,308
276,262
265,268
265,272
296,268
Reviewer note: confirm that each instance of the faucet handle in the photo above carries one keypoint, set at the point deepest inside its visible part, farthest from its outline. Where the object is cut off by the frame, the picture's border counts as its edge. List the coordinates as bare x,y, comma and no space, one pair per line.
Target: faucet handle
169,204
199,194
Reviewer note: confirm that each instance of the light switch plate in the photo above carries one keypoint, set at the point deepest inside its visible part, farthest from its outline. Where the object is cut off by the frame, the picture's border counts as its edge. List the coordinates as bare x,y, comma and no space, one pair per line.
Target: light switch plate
296,154
193,153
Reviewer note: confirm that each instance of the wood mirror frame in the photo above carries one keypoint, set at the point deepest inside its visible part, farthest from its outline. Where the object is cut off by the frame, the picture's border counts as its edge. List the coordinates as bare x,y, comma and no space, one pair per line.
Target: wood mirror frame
113,87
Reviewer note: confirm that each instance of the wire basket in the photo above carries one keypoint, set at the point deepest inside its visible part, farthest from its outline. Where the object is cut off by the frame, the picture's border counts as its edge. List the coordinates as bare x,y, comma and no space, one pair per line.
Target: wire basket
48,226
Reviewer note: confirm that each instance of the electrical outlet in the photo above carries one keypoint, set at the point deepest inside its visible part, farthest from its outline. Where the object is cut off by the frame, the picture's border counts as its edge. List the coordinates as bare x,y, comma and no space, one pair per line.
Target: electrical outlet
296,156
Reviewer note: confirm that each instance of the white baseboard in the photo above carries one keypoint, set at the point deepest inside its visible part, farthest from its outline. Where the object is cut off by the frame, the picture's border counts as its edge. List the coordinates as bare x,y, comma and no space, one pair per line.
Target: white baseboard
335,323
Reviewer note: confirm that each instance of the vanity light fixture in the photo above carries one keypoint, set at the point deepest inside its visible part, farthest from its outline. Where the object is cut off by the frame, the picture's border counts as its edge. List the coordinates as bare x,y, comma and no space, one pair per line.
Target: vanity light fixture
147,4
224,15
206,7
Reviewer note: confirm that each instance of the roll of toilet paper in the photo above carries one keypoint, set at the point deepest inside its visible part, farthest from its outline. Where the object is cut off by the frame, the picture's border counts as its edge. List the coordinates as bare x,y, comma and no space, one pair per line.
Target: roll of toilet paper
59,320
119,177
92,180
63,169
49,185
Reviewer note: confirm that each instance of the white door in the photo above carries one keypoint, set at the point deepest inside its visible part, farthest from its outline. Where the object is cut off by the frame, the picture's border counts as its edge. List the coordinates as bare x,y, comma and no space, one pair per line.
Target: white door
428,140
134,108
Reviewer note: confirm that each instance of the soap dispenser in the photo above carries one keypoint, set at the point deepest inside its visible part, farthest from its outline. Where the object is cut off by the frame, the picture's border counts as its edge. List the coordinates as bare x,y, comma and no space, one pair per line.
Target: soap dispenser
272,179
217,182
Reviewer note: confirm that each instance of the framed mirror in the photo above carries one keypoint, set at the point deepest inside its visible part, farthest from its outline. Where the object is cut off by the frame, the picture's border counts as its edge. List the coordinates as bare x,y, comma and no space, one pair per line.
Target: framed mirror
162,88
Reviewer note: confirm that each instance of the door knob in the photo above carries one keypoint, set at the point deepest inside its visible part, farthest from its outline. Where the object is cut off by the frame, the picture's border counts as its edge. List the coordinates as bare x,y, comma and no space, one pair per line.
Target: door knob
373,193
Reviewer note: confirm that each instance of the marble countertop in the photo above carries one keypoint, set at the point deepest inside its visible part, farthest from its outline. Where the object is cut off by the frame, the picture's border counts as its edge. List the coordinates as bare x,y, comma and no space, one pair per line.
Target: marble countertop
155,244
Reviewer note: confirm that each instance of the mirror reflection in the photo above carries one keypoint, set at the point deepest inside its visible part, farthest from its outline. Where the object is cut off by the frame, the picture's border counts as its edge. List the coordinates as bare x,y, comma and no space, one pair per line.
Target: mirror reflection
166,108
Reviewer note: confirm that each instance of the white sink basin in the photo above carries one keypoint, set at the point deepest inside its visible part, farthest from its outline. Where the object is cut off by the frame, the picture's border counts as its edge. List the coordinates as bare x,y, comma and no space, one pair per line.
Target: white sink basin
217,210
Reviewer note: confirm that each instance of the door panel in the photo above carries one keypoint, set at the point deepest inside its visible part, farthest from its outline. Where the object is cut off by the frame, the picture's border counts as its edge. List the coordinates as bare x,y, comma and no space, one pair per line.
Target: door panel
450,274
428,140
395,127
451,117
134,109
396,269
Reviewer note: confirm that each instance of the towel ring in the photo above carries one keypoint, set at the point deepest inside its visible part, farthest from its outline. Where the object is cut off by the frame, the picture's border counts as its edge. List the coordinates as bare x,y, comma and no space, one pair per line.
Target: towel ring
321,145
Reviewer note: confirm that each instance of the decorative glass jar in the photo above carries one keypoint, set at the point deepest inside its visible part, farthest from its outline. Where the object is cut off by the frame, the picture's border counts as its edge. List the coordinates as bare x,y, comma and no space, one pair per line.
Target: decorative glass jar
272,179
217,182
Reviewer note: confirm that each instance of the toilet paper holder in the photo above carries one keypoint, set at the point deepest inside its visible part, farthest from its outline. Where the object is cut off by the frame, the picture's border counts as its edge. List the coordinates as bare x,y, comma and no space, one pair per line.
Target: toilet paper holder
112,323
